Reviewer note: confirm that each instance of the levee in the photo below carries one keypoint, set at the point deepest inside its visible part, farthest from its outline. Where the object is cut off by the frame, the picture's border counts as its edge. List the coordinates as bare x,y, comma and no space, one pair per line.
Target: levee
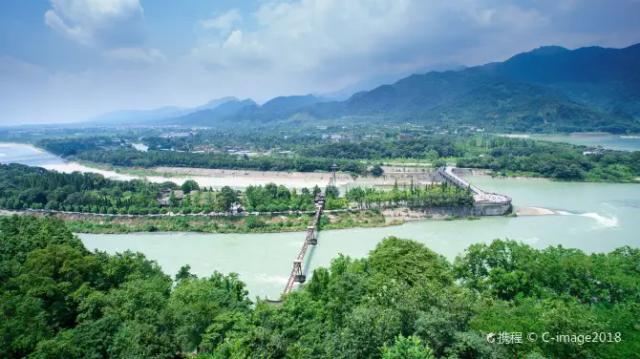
485,203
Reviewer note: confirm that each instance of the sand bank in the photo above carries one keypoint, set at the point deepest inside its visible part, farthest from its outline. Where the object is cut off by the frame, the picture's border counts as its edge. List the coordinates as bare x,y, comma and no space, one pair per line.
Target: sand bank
243,178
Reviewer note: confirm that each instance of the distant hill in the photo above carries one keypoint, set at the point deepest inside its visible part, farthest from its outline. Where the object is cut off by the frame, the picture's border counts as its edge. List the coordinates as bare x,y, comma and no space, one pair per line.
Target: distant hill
247,110
608,79
135,116
124,117
208,117
548,89
553,65
285,104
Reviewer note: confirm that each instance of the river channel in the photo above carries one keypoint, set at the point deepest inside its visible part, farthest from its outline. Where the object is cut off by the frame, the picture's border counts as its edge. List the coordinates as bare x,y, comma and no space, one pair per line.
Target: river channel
594,217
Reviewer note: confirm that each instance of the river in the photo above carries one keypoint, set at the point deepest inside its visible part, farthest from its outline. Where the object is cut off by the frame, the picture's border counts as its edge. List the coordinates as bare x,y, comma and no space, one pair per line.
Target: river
605,140
216,178
594,217
32,156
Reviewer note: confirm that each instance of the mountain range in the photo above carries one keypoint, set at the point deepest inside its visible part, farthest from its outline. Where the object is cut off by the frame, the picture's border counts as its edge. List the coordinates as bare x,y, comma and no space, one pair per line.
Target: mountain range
547,89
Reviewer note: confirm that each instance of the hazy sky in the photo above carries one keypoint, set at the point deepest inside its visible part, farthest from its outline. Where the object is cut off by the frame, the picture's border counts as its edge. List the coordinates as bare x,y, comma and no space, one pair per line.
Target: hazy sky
67,60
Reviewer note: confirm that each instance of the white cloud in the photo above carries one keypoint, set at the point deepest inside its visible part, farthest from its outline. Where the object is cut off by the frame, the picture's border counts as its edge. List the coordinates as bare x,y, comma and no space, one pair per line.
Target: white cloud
95,22
287,47
328,44
224,21
136,55
234,39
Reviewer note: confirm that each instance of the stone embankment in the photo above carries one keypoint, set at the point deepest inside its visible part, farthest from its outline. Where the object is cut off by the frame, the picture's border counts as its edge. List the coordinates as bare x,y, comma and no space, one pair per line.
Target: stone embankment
485,203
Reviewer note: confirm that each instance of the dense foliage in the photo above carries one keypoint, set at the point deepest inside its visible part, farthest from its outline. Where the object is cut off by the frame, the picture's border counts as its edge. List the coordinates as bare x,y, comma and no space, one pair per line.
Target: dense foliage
403,301
271,198
554,160
73,145
128,157
24,187
420,147
362,154
224,224
501,154
61,301
37,188
413,197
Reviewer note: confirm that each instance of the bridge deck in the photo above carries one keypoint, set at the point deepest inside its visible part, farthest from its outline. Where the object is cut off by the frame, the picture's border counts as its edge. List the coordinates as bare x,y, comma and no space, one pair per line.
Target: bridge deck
312,230
479,195
310,239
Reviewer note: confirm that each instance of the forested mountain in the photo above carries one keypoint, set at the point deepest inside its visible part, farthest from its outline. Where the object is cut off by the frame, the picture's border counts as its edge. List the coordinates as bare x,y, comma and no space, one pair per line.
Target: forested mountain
227,111
550,88
289,103
553,65
608,79
547,89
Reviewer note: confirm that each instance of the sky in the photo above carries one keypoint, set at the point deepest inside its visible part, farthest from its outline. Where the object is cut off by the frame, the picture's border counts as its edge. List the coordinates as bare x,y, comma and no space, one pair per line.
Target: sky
70,60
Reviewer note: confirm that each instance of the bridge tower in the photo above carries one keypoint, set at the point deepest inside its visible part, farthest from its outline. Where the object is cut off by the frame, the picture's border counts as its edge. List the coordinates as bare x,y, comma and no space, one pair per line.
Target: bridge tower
297,268
334,168
312,236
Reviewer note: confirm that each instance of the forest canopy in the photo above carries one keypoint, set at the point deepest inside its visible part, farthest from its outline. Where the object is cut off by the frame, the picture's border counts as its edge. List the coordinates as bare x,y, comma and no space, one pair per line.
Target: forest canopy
362,155
61,301
24,187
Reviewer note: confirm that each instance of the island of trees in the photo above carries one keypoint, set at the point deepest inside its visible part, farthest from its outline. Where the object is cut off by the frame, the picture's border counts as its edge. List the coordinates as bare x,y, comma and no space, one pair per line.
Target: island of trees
138,205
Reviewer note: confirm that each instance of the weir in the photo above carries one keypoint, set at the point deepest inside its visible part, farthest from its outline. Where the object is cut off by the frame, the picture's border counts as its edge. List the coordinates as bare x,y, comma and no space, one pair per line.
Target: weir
484,203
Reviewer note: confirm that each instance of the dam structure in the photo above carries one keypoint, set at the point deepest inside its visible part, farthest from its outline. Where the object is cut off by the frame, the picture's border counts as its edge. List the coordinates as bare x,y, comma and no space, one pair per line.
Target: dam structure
485,203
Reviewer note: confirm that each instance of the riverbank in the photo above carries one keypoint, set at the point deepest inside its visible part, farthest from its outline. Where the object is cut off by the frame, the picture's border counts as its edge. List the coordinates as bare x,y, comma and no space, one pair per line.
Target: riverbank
241,225
401,174
630,142
101,224
31,155
90,223
593,217
533,175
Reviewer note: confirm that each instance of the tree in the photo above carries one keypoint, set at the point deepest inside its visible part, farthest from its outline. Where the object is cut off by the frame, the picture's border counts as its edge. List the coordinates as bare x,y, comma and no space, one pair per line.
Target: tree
407,348
189,185
196,303
439,163
184,273
253,222
332,192
377,171
225,198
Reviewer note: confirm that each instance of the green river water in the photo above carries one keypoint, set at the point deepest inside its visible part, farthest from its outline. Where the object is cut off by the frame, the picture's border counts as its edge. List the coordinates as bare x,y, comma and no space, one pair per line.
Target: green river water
594,217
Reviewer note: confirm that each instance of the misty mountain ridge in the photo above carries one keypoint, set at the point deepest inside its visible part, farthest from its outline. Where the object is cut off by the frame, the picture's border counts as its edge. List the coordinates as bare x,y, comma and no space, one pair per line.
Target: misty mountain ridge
550,88
121,117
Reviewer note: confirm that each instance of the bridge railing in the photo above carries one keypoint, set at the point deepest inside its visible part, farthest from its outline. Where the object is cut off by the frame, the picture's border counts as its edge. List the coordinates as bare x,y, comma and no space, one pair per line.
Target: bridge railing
297,273
479,195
